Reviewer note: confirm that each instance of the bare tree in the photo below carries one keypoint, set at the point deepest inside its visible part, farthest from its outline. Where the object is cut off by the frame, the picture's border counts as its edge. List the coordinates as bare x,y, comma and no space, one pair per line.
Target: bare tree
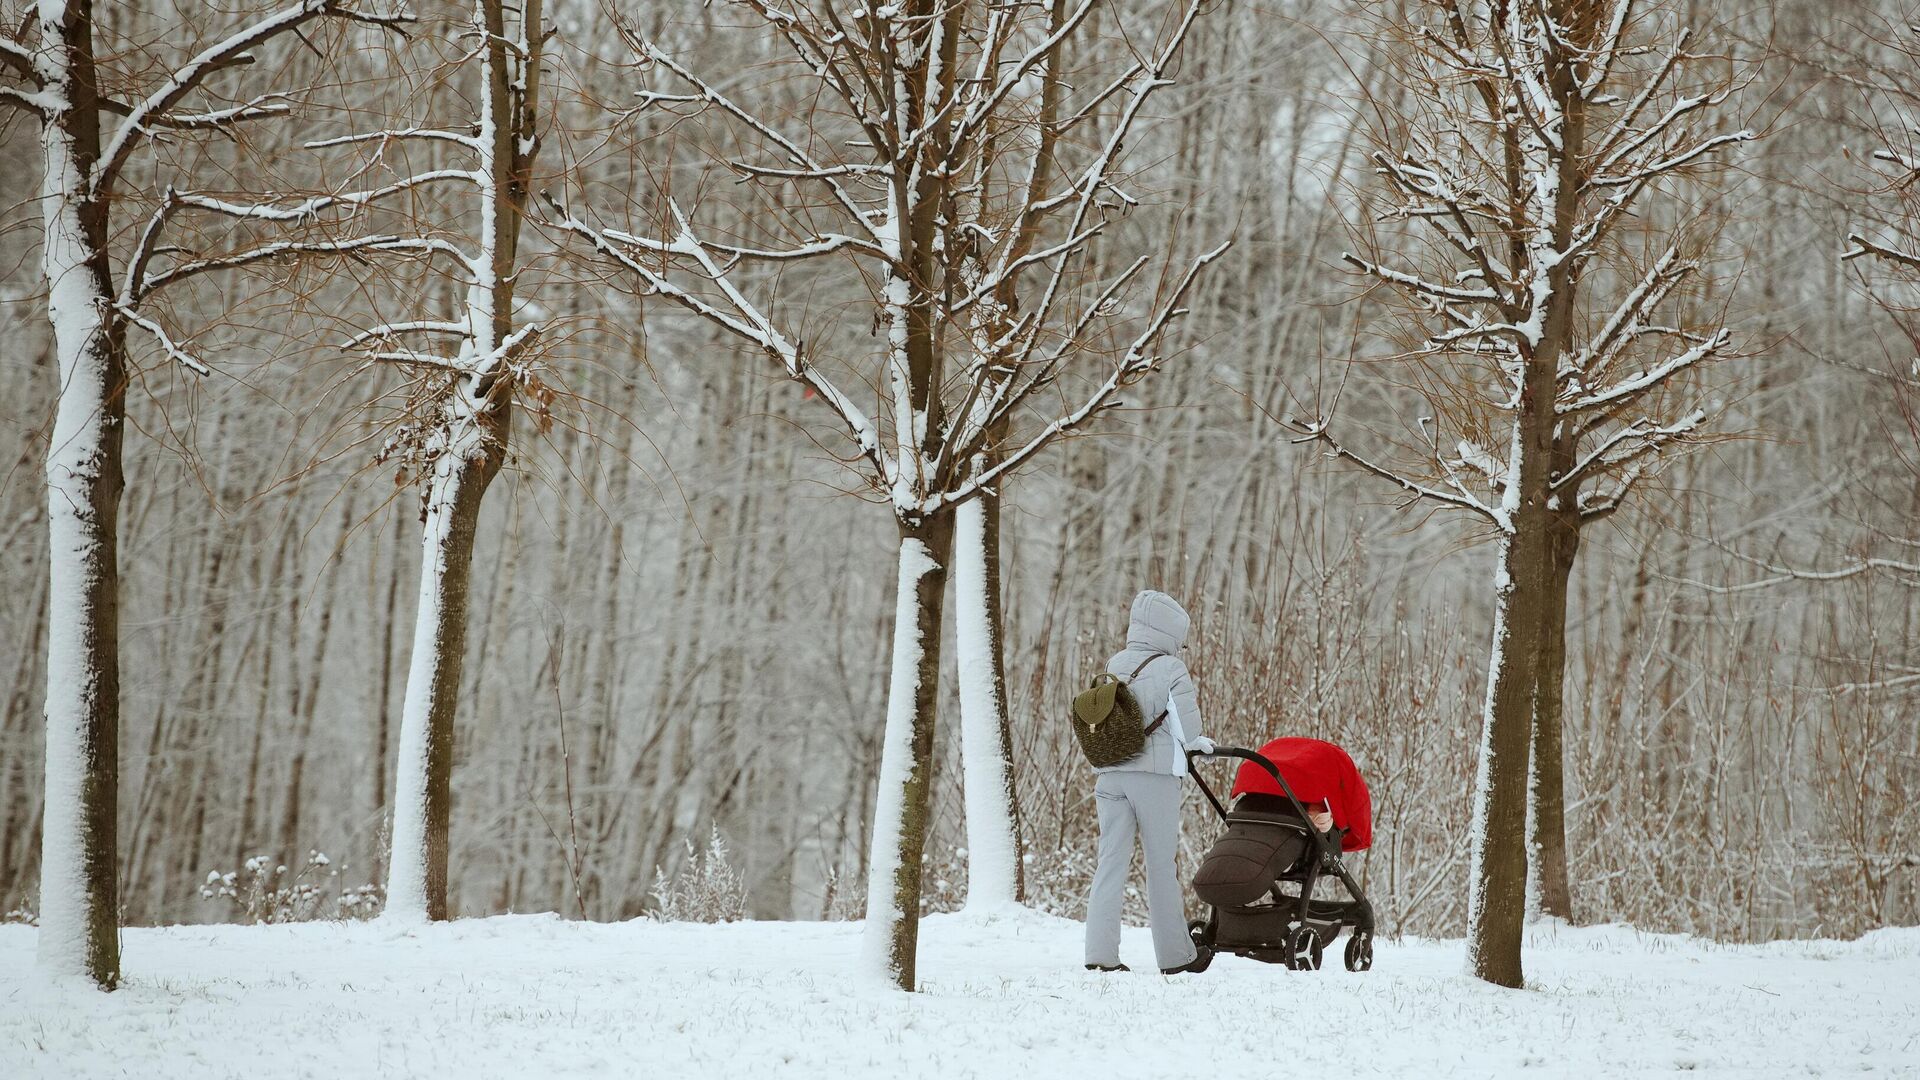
88,140
465,368
917,172
1540,162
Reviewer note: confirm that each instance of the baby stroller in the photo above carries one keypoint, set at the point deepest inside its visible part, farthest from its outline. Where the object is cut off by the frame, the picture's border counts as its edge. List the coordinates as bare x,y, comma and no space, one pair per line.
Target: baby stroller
1271,844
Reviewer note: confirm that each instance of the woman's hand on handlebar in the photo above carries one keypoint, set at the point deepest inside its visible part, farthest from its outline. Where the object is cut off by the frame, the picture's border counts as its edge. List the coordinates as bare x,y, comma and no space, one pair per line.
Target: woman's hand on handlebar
1200,744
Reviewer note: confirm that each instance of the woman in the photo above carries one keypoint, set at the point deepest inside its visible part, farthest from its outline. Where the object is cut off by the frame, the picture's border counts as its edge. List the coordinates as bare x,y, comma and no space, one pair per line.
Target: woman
1142,795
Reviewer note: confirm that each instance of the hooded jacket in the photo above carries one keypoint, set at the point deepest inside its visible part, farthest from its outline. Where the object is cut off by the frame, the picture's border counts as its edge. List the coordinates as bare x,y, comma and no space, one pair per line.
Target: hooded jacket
1157,626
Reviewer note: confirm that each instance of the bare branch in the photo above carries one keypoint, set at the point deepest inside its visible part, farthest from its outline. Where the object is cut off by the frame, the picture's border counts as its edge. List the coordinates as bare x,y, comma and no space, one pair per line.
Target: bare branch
1317,431
1645,380
745,321
146,113
167,344
1139,359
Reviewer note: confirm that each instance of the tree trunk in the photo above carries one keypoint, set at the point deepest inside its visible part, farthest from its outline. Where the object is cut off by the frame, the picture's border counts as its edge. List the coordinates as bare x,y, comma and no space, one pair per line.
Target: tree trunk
1496,903
906,760
995,876
383,705
306,703
422,790
1548,821
79,889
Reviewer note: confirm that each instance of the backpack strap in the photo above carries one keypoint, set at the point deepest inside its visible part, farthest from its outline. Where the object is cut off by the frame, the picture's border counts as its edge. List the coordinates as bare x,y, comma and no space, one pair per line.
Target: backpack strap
1162,718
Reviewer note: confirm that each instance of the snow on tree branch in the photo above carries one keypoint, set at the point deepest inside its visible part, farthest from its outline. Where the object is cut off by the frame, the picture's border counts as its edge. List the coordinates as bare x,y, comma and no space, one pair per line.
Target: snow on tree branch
745,320
154,109
1318,431
1861,246
1630,443
18,59
167,344
1645,380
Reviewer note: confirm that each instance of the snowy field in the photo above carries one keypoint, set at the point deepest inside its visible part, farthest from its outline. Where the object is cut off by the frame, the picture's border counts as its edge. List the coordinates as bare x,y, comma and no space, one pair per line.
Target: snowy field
533,996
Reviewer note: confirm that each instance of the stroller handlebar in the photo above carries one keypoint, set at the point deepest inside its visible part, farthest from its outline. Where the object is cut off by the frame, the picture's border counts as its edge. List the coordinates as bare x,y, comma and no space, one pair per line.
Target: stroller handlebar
1264,762
1237,752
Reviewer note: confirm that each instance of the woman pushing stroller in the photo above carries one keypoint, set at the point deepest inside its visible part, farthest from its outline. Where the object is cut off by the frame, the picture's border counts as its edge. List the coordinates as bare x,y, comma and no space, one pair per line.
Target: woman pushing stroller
1299,803
1142,794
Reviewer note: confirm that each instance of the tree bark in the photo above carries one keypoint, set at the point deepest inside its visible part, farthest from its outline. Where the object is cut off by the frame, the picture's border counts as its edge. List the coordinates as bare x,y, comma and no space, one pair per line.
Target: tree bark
906,760
423,786
1548,821
79,888
995,875
1496,903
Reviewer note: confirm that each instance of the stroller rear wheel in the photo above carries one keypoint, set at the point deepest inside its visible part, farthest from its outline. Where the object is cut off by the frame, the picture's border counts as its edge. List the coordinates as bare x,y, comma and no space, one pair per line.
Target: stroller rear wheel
1304,949
1360,950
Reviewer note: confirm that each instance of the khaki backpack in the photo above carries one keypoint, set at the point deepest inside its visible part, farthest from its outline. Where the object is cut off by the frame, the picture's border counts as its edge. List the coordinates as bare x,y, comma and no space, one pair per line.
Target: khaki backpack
1107,719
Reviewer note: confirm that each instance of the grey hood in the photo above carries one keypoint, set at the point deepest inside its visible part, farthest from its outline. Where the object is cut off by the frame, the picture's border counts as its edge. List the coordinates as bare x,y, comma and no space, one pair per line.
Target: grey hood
1157,623
1156,628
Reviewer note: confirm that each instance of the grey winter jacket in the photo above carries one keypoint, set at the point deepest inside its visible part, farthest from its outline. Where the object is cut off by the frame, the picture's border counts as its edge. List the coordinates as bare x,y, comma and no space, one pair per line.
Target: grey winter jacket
1157,625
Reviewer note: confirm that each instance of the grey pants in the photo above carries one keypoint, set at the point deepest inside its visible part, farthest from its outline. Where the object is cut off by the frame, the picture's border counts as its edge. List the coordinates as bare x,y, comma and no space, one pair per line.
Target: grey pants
1147,803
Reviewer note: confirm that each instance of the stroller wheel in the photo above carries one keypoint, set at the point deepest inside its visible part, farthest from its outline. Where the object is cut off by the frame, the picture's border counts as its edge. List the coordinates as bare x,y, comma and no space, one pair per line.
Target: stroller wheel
1360,950
1201,933
1304,949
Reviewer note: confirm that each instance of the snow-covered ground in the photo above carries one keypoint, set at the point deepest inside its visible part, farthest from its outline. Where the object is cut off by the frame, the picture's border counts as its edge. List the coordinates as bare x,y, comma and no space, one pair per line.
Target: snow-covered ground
535,996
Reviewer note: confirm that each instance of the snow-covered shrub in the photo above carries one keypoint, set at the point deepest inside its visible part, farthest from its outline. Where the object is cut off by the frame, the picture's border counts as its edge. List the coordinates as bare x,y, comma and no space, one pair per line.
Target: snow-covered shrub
20,916
263,892
706,889
943,879
360,903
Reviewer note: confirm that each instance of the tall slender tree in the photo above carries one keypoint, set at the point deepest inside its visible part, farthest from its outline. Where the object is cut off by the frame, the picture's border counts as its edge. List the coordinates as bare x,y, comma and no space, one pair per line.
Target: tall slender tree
88,141
465,369
914,169
1541,156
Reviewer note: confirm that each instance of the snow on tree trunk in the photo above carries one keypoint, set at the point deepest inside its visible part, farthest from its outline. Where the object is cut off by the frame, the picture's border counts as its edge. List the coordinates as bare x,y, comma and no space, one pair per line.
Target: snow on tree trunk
900,805
79,902
993,837
422,791
1496,900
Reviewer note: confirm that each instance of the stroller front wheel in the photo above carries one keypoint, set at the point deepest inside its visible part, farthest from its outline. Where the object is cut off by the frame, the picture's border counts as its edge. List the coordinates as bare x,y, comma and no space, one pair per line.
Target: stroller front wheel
1304,949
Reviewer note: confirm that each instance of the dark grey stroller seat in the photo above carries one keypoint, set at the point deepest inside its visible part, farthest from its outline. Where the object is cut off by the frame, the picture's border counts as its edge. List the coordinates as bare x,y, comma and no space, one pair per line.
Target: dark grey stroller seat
1264,843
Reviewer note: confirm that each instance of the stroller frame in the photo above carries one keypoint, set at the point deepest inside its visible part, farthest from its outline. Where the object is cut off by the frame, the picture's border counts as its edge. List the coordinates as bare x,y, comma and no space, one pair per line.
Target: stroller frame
1311,925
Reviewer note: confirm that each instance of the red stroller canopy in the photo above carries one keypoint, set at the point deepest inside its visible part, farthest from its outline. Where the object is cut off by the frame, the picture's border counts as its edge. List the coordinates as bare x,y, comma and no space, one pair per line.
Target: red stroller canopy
1318,772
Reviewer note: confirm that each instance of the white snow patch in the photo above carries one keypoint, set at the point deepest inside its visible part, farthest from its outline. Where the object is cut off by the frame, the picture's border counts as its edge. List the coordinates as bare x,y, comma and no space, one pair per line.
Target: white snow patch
532,995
